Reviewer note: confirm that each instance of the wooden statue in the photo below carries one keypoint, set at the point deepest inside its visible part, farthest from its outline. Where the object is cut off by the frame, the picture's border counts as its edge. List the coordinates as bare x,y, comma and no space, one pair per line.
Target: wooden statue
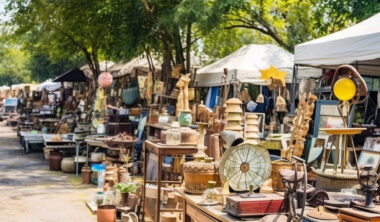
183,96
301,125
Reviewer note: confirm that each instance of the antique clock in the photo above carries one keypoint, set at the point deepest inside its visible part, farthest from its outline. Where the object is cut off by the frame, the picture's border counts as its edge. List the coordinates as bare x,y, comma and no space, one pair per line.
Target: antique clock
245,165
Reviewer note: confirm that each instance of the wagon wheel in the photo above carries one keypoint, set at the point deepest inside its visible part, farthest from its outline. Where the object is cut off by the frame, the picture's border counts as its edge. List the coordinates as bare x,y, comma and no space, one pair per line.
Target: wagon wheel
318,198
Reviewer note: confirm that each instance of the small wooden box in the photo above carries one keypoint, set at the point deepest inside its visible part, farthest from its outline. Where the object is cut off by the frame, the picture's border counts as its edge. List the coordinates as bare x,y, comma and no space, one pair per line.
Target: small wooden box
244,207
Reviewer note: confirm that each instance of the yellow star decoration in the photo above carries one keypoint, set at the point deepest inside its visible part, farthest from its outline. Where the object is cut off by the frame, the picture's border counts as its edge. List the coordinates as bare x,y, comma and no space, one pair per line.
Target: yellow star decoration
273,73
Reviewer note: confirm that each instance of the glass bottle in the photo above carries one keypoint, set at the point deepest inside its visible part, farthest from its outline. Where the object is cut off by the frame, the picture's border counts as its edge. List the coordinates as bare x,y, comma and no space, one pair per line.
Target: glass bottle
109,197
211,195
99,198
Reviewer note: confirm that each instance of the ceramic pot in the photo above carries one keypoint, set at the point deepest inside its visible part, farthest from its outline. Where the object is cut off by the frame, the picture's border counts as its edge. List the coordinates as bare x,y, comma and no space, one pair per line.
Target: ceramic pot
86,175
97,157
101,130
106,213
68,165
185,118
55,161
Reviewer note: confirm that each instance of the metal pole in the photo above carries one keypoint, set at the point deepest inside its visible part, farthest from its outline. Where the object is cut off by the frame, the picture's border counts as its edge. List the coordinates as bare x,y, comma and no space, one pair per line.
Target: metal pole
294,86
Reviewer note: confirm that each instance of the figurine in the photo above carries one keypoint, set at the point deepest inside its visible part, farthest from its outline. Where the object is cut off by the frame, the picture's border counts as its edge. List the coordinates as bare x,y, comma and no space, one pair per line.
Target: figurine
183,96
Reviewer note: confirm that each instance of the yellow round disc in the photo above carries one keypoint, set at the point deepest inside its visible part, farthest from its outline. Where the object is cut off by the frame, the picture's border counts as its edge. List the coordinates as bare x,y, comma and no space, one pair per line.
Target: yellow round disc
344,89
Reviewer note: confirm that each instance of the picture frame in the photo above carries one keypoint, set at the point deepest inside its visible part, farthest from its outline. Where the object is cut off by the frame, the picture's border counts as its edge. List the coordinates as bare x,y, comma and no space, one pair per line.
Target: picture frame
327,116
372,144
369,158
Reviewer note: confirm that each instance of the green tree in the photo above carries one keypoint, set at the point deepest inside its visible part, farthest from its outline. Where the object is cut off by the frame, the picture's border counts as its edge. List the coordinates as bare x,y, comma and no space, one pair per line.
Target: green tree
63,28
289,22
42,67
13,68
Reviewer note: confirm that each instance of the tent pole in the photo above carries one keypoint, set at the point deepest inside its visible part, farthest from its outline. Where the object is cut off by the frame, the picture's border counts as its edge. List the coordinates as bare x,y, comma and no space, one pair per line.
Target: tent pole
294,86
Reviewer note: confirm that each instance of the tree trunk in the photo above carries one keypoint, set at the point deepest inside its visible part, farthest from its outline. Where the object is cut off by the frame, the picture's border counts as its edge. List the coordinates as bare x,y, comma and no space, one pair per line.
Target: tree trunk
188,47
179,58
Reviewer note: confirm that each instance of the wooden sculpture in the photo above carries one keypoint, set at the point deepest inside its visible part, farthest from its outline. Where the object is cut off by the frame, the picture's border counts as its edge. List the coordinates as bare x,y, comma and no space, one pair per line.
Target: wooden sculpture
183,96
234,115
301,121
252,128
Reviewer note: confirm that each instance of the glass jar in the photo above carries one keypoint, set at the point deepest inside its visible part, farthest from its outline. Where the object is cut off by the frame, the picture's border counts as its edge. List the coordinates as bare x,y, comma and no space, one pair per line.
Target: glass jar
173,135
109,197
211,195
99,198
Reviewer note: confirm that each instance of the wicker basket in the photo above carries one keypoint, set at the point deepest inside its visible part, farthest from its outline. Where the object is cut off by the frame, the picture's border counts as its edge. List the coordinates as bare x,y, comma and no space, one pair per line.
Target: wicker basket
277,166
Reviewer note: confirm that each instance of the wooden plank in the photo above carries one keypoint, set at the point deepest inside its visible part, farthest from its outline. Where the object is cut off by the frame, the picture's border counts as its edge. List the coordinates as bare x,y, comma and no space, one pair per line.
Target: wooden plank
92,206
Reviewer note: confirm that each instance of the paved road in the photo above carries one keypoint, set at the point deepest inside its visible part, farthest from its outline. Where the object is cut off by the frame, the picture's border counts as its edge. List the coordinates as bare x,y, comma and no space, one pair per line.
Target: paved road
30,192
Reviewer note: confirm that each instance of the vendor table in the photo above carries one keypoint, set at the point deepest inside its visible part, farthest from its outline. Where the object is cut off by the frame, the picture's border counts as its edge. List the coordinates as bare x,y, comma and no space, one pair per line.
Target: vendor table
162,150
28,139
355,215
98,142
192,210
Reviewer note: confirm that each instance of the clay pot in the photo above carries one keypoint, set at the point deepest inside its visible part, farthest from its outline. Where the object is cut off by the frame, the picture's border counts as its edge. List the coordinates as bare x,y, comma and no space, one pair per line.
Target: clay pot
68,165
55,161
106,213
86,175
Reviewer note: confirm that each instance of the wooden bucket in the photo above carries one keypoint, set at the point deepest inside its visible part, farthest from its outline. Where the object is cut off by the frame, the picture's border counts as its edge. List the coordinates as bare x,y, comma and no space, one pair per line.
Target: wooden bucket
277,166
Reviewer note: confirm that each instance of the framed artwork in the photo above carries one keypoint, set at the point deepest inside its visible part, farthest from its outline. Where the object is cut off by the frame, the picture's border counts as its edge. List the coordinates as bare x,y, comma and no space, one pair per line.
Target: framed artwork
369,158
372,144
327,116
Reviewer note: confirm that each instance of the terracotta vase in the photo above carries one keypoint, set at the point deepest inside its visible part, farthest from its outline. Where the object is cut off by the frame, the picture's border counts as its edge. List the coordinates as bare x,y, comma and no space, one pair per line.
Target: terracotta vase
106,213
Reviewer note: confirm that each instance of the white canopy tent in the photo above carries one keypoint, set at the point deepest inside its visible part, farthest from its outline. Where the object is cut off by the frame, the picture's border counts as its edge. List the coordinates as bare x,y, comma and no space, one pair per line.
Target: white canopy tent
358,45
245,65
48,85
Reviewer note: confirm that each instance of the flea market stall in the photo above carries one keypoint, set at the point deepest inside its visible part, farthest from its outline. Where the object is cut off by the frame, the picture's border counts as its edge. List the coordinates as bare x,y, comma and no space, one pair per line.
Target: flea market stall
214,144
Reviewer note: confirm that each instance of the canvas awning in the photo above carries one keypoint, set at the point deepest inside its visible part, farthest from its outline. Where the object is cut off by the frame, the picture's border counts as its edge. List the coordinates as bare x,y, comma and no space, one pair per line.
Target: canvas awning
48,85
245,65
358,45
74,75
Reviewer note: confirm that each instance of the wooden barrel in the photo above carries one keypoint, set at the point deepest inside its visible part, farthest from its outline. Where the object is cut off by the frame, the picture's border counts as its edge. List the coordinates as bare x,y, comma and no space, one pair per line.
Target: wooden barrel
277,166
197,175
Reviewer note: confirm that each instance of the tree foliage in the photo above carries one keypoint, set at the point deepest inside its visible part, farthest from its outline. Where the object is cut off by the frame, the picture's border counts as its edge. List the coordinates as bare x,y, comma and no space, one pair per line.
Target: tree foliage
59,34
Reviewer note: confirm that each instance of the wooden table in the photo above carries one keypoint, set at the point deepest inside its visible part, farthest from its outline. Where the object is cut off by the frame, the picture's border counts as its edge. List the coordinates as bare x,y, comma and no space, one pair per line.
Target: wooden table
162,150
355,215
341,137
192,210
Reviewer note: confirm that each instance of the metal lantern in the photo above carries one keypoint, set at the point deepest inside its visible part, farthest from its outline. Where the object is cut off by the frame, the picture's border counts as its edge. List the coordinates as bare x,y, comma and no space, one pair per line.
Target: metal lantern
367,180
